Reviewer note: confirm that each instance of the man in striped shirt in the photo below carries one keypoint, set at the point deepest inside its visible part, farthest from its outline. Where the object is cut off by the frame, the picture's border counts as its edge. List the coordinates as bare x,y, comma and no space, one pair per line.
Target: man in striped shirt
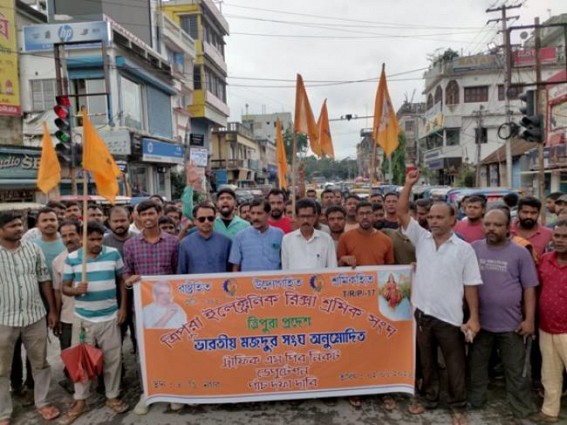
23,274
97,313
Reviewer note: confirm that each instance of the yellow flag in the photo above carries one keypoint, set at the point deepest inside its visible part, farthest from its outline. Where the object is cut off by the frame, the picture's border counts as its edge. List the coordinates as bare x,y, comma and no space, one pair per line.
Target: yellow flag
99,161
49,173
281,160
385,128
325,140
304,121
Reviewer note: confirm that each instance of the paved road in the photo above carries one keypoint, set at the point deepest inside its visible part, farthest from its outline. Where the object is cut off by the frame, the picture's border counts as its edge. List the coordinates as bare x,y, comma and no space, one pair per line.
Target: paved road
310,412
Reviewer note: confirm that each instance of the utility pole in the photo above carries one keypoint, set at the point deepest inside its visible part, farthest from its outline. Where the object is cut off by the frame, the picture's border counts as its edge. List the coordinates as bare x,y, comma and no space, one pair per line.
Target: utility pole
507,80
538,110
478,140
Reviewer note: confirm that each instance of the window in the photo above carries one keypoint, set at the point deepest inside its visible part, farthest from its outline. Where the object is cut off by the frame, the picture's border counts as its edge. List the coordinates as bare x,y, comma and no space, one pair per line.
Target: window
452,93
132,113
197,78
439,96
189,24
215,85
43,94
476,94
96,105
409,126
514,92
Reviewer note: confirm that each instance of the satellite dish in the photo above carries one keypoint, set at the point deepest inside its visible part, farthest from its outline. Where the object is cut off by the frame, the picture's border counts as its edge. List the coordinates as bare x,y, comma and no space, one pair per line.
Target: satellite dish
524,35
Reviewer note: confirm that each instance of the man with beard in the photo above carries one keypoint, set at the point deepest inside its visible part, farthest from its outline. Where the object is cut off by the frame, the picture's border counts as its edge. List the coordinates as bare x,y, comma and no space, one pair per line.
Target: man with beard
120,229
97,313
227,222
527,227
378,216
471,228
116,238
277,198
351,202
34,233
422,207
204,251
365,246
23,277
70,234
507,300
72,211
336,220
307,247
257,248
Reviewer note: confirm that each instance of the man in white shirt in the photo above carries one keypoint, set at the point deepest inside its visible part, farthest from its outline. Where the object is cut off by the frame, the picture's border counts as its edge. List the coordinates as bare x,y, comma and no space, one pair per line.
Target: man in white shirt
163,313
447,269
307,247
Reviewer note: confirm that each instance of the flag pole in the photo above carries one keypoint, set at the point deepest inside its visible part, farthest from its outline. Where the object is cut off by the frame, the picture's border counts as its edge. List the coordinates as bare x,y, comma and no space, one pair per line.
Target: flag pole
373,163
293,171
85,223
390,170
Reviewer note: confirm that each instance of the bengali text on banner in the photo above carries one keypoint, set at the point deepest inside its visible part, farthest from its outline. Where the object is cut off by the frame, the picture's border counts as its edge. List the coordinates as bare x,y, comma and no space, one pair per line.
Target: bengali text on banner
225,338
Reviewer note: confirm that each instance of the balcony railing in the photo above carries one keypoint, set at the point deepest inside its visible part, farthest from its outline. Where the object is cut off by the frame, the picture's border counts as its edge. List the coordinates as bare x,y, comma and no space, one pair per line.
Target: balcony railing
176,34
230,164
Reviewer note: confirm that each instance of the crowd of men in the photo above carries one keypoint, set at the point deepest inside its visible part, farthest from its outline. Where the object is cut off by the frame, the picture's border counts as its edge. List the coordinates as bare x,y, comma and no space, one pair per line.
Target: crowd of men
494,282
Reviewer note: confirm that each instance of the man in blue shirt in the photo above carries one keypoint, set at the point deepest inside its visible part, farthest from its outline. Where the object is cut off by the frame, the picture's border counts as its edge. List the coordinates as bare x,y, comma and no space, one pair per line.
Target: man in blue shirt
204,251
257,248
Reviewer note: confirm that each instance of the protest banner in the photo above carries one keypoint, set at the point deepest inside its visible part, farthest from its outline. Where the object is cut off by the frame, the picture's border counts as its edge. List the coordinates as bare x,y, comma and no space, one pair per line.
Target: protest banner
237,337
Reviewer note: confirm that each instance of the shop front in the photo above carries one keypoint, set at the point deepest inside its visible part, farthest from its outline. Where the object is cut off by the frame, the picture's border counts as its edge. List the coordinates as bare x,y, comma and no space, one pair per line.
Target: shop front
18,174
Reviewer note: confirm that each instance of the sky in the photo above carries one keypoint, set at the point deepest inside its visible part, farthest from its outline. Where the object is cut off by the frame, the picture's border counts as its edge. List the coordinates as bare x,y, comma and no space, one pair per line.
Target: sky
338,46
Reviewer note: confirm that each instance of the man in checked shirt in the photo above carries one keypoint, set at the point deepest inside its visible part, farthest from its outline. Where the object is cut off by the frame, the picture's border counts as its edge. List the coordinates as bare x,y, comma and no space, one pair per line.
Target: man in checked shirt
150,253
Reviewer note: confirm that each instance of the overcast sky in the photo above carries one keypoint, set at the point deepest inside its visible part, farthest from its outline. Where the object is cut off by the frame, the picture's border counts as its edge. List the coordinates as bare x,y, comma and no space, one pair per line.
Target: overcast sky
331,42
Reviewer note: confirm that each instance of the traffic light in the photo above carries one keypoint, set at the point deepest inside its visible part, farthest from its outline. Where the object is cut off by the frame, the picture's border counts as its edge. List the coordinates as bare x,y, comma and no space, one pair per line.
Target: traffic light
531,122
63,122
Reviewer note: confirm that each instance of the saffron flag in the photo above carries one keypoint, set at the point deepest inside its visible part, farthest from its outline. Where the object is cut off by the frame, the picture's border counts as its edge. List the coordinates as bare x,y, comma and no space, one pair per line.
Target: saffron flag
304,121
49,173
99,161
385,128
325,140
281,159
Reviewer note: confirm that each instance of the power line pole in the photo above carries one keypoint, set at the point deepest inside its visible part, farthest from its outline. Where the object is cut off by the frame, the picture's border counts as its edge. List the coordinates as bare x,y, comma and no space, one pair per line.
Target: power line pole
538,110
507,79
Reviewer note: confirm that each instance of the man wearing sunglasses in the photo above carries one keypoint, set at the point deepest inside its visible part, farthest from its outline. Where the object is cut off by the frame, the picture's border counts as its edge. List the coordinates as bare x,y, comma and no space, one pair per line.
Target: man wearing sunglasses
206,250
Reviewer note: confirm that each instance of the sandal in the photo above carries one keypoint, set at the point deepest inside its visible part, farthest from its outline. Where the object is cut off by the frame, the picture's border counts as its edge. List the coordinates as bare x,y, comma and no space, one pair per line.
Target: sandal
389,403
415,407
49,412
355,402
117,405
72,414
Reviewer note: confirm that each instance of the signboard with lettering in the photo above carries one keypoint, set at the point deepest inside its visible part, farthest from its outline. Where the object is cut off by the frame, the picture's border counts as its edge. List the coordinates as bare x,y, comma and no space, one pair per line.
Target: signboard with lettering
225,338
526,57
199,156
477,62
167,153
197,139
117,141
43,37
9,75
18,163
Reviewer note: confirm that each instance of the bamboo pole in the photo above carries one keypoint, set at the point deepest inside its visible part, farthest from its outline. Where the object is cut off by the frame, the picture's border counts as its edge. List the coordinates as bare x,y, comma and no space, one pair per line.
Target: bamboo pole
85,223
293,171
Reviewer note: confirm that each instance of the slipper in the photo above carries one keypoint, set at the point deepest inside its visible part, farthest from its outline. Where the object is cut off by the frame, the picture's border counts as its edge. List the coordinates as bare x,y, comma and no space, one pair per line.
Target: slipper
117,405
389,403
49,412
355,402
415,407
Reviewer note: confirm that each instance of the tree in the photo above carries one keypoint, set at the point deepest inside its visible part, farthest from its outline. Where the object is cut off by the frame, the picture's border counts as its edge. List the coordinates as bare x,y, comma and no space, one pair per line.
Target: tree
288,141
398,162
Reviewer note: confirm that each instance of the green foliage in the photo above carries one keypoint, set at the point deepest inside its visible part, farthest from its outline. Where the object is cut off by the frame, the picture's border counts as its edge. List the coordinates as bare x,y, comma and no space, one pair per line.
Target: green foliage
302,144
398,162
177,184
330,169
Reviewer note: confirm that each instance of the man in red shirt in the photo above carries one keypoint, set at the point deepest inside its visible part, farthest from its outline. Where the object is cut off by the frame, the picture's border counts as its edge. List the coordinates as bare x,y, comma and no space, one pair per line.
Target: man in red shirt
527,227
553,322
470,228
277,198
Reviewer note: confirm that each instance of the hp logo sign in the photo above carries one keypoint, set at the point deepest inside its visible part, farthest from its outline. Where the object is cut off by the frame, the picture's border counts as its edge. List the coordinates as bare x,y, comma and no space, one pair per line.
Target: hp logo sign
65,33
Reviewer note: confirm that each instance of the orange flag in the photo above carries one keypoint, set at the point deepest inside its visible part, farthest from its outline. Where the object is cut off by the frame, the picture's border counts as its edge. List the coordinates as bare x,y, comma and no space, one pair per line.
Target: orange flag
304,121
49,173
385,122
98,160
281,160
325,140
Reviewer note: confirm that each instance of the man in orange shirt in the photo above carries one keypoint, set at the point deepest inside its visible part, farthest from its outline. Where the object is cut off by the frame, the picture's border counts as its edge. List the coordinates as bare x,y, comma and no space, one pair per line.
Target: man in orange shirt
365,246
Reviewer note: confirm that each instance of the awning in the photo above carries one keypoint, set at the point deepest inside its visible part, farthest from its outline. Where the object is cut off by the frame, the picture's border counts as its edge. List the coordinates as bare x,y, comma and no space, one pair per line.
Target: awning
13,183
